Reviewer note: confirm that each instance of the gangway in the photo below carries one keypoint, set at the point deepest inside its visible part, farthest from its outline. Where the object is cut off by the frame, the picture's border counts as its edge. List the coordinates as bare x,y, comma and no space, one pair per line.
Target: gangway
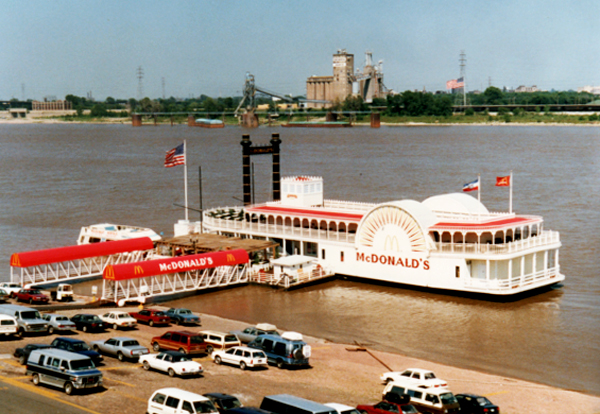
137,282
64,264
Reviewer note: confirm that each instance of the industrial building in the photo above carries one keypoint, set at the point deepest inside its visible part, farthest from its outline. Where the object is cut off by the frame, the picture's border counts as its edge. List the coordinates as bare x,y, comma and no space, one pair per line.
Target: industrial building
367,84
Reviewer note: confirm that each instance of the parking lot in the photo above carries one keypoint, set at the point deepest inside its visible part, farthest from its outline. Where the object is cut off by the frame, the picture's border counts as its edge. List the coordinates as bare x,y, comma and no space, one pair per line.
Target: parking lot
338,373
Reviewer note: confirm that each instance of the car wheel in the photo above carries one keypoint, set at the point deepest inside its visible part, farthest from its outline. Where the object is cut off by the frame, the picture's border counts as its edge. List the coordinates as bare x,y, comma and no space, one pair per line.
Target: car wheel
115,327
95,348
146,366
51,330
36,379
20,332
84,328
151,323
242,365
22,360
156,346
68,388
209,350
183,351
364,412
171,372
120,356
280,363
218,360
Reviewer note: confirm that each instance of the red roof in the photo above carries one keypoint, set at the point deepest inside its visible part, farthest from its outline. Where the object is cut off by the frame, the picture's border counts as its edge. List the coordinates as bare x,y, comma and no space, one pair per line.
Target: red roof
175,264
487,225
306,213
82,251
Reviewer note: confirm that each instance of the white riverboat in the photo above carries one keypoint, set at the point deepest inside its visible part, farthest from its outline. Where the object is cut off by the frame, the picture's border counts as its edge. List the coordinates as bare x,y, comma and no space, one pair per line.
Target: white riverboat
110,232
448,242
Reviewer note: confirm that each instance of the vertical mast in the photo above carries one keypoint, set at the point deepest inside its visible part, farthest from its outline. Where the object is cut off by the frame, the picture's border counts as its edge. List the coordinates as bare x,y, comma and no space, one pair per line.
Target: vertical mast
185,178
510,194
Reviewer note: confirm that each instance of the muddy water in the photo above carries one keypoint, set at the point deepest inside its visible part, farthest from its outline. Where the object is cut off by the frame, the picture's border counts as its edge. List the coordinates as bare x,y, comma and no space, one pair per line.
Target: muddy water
57,178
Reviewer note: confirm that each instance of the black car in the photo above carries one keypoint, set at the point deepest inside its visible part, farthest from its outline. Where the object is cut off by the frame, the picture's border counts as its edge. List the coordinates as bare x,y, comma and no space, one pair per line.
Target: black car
248,410
88,322
476,404
223,402
78,346
23,353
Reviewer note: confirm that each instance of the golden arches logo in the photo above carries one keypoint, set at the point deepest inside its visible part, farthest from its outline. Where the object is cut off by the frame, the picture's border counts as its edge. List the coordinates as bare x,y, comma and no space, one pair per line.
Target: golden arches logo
138,270
15,261
230,258
109,273
393,241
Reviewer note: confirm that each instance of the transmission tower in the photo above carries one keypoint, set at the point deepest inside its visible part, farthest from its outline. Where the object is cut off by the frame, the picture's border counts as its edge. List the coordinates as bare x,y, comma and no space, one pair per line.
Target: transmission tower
140,75
462,100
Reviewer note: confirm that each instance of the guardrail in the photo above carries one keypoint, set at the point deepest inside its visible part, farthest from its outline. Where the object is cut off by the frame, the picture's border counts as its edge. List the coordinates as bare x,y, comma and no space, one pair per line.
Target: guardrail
546,238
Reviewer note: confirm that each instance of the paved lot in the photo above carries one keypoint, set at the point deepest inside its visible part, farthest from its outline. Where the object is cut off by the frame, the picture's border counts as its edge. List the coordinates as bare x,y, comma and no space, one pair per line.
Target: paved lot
337,374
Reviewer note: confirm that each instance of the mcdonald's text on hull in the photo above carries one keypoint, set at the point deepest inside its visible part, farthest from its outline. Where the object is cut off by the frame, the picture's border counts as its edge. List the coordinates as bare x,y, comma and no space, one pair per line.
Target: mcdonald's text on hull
447,242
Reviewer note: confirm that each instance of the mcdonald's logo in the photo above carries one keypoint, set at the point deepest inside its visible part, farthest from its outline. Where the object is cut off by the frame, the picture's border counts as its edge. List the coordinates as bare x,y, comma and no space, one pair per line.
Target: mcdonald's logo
15,261
109,273
138,270
230,258
393,241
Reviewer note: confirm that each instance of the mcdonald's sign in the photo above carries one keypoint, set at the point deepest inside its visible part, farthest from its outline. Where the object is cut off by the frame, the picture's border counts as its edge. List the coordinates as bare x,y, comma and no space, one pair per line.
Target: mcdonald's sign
393,243
15,261
109,273
138,270
230,258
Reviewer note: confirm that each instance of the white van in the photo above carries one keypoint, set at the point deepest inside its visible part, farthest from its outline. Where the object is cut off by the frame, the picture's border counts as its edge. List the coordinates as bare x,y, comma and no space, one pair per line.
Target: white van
176,401
8,325
426,399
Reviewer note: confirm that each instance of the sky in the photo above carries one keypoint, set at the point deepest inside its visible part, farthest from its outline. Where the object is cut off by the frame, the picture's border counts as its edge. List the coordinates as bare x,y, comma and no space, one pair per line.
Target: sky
52,48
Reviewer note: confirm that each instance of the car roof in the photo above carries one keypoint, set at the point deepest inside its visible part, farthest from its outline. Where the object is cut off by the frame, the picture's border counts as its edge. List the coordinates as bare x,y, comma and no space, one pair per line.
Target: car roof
72,340
183,332
340,407
122,338
220,395
182,394
61,354
173,353
419,370
279,338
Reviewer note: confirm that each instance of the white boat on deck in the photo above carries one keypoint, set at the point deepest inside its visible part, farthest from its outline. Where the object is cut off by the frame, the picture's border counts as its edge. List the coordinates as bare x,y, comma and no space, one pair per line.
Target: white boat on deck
449,242
109,232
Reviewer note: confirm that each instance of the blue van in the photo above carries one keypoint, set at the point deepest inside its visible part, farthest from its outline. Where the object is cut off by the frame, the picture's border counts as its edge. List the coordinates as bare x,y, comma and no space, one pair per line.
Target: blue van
286,350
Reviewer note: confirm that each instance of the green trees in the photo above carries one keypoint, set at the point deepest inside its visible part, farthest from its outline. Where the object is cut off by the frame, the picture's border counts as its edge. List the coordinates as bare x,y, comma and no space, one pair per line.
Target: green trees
419,103
493,96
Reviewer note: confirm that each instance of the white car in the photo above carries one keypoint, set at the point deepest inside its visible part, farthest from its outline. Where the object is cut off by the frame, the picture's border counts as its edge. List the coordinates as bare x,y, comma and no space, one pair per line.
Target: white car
119,319
242,356
11,288
343,409
171,362
421,377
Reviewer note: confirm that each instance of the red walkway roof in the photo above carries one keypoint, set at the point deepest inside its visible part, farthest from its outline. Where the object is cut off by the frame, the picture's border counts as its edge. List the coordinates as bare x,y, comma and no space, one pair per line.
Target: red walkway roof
487,225
83,251
175,264
306,213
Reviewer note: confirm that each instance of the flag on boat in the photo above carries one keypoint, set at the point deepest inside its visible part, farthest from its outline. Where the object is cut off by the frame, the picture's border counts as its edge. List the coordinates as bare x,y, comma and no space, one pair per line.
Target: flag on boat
175,157
455,83
503,181
472,186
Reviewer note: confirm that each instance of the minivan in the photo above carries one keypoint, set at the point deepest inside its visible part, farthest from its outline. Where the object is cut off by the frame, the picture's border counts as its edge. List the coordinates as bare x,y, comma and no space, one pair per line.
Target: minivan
176,401
285,350
28,319
8,325
219,340
63,369
185,342
425,399
290,404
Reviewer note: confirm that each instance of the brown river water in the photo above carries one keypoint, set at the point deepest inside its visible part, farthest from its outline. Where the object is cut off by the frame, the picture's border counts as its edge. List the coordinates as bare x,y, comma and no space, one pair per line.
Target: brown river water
57,178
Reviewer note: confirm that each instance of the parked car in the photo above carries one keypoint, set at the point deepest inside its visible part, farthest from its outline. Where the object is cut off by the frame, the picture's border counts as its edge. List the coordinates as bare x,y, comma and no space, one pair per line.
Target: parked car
387,407
28,320
8,325
11,288
182,316
118,319
151,317
290,404
425,399
247,410
242,356
286,350
77,346
219,340
62,293
176,401
223,402
417,376
250,333
58,323
183,341
343,409
32,296
23,353
88,322
476,404
171,362
120,347
4,295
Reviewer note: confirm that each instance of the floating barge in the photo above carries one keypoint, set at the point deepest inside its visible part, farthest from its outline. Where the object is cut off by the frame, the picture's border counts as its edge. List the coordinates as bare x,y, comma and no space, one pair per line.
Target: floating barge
205,123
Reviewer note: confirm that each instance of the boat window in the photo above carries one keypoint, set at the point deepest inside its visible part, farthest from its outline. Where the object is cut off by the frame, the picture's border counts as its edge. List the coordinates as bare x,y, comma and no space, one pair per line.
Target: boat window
457,271
341,256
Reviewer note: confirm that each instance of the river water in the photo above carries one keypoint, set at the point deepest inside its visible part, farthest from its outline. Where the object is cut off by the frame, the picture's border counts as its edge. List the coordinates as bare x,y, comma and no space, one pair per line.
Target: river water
56,178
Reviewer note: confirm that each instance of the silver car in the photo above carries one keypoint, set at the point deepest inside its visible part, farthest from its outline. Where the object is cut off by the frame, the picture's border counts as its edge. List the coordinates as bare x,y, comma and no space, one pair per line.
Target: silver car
58,322
120,347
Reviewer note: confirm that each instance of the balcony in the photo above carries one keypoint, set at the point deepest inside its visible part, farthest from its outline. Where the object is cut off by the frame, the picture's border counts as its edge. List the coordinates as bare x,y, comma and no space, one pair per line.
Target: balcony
546,238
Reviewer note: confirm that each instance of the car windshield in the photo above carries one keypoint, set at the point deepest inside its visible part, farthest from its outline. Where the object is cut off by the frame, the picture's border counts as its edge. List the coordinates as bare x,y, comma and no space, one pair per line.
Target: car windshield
196,339
80,346
409,409
61,318
30,315
180,358
231,338
82,364
123,316
448,398
185,312
204,407
93,318
272,333
34,292
159,314
230,403
429,375
258,355
130,343
483,401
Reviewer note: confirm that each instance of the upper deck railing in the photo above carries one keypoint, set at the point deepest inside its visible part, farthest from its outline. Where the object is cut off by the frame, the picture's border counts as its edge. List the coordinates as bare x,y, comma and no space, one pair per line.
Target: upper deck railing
545,238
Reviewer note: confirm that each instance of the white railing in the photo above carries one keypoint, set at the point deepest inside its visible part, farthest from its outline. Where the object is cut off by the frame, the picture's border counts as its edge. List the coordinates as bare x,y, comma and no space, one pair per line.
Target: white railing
546,238
524,282
286,280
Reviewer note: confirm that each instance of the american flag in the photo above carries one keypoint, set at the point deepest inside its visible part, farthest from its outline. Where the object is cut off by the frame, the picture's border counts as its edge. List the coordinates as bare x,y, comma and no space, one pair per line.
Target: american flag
175,157
455,83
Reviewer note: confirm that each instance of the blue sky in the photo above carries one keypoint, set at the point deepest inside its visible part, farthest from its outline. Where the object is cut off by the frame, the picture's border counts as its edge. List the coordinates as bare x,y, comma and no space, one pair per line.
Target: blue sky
61,47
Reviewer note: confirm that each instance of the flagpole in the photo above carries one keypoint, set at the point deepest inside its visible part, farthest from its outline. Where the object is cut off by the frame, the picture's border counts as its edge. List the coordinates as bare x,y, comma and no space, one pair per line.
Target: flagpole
185,178
479,195
510,194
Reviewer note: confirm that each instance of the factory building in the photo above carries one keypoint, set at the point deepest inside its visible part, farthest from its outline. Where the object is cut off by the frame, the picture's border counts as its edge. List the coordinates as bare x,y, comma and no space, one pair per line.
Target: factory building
368,84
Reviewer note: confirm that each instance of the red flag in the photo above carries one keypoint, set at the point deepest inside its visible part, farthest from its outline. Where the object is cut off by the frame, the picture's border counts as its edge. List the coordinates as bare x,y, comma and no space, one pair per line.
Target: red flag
503,181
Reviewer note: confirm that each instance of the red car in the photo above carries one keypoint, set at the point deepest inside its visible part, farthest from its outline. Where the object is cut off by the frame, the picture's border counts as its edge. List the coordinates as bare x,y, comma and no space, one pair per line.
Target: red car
387,407
32,296
151,317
